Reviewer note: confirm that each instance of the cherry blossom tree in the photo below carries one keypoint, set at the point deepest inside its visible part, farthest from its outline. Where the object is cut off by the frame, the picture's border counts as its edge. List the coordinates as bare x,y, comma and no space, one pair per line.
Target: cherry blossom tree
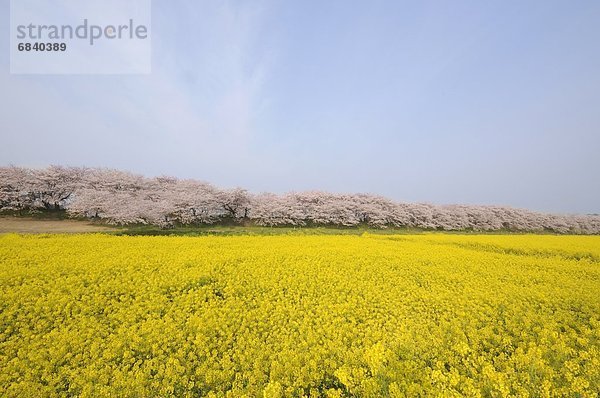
119,197
16,188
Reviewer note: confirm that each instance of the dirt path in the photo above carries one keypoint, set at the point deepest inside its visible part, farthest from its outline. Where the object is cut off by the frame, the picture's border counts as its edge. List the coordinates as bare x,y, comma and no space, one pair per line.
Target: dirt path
32,226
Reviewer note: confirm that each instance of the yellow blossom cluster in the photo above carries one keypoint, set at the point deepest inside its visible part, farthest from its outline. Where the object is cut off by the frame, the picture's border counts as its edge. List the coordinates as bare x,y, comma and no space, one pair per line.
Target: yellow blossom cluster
300,316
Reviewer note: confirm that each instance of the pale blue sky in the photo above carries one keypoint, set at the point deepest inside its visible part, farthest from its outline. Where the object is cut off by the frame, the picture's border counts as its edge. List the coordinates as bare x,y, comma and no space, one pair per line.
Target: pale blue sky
444,102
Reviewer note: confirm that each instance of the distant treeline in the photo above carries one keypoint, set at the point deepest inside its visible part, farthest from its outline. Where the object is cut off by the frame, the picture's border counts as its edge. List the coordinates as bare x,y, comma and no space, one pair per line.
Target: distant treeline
120,197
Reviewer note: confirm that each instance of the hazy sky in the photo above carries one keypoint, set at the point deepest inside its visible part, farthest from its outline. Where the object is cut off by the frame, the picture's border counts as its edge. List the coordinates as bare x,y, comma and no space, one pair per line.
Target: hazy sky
494,102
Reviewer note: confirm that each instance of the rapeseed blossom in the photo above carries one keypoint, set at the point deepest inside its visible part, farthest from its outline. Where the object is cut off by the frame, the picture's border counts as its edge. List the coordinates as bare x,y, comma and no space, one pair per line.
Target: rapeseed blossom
318,316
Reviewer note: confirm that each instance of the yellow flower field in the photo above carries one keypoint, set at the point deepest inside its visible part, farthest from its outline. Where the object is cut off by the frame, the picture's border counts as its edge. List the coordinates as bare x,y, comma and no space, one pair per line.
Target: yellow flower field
276,316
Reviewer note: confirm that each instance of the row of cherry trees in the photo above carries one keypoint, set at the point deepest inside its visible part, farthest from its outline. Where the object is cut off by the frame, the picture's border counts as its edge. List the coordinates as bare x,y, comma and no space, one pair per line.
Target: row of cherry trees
123,198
